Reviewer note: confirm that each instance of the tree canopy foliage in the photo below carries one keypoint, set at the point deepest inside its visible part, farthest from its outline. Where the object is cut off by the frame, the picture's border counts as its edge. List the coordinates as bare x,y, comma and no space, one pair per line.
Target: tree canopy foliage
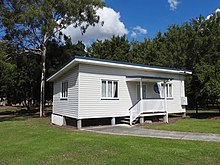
30,24
7,70
194,45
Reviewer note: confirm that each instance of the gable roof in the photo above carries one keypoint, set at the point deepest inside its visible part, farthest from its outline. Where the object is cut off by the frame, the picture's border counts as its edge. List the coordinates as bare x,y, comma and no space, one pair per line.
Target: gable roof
117,64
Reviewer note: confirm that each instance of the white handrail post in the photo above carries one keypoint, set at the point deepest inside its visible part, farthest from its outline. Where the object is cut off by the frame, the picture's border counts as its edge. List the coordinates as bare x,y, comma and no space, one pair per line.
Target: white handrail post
139,109
141,95
141,89
165,102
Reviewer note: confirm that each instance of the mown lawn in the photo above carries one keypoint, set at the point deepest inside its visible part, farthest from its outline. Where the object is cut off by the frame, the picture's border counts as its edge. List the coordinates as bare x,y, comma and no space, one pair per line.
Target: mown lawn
36,141
189,125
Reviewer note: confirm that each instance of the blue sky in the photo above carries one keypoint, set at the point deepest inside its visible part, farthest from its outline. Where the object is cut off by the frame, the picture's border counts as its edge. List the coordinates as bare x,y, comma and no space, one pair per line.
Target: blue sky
157,15
139,19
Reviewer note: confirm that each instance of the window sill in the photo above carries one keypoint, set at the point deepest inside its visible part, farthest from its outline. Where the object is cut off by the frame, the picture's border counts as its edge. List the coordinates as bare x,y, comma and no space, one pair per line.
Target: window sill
63,98
109,98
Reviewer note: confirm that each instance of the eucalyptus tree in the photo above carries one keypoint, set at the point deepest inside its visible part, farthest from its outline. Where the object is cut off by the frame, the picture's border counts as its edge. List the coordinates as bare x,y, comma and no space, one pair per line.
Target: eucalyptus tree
29,25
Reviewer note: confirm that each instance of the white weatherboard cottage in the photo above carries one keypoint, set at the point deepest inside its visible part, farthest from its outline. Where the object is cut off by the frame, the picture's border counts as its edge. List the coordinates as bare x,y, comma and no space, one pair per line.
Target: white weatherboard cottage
88,88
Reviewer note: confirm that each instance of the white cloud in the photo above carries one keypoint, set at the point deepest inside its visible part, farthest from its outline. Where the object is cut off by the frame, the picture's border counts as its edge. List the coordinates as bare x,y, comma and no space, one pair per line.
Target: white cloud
137,31
112,26
133,34
140,29
216,11
173,4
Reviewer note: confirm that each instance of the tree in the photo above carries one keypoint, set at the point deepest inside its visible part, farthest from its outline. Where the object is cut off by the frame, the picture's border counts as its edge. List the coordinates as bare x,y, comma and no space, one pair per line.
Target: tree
30,25
116,48
140,52
7,75
27,80
57,56
206,59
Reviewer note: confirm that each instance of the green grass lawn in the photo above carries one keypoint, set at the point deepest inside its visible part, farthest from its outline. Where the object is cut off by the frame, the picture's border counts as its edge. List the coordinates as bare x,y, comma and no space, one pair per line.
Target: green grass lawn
189,125
36,141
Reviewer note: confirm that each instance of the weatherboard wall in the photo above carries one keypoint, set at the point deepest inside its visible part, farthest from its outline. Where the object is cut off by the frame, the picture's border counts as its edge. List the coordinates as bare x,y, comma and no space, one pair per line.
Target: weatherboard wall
92,106
67,107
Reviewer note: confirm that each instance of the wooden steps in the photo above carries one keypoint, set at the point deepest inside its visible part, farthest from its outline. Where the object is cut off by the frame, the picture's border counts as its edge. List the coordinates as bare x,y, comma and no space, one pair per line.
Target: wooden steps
126,120
153,114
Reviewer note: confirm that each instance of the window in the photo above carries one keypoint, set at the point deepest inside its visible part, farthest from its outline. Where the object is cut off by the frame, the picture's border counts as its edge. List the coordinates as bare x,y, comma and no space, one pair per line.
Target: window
109,89
169,90
64,90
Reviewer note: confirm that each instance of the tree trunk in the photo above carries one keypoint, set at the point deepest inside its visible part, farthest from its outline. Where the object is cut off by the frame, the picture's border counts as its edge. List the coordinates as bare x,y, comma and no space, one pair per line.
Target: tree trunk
27,104
196,107
43,78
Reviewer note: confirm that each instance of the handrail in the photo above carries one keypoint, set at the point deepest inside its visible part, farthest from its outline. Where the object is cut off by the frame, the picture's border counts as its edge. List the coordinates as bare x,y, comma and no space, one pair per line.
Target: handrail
145,105
135,104
135,111
151,105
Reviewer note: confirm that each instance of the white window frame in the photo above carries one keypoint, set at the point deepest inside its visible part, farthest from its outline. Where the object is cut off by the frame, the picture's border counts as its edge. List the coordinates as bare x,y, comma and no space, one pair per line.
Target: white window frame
62,92
167,90
106,90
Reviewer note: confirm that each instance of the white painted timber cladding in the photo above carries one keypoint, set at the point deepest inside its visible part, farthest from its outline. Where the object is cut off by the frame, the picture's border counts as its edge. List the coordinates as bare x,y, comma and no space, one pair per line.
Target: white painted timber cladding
92,106
174,104
67,107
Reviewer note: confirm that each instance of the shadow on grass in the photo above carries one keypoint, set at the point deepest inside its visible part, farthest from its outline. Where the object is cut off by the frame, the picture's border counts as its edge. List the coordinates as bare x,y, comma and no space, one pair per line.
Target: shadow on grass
22,114
16,118
21,111
204,115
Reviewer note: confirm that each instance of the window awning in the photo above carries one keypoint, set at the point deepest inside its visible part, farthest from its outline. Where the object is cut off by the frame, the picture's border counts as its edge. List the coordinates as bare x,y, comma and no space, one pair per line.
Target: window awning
148,78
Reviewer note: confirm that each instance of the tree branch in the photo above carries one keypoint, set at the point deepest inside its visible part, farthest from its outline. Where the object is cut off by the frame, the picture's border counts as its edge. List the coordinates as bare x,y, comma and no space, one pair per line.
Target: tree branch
24,48
34,51
31,29
58,30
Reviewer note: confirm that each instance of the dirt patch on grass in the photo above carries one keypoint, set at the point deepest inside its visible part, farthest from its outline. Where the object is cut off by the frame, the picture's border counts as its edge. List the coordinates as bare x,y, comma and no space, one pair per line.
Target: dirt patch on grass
175,119
215,118
66,127
11,115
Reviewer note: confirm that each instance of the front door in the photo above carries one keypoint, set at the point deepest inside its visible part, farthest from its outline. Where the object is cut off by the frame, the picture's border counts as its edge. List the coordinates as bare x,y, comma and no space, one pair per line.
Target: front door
144,91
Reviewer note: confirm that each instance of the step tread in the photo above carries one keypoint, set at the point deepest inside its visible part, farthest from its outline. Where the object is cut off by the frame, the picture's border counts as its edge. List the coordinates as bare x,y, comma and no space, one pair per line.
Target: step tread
153,114
125,121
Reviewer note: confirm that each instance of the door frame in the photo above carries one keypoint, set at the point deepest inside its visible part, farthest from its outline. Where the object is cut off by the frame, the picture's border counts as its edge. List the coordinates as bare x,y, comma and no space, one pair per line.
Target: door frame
138,89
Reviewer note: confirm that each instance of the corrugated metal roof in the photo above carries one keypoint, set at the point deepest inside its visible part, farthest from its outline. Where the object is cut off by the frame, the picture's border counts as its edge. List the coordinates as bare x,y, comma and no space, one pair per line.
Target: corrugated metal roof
81,59
128,63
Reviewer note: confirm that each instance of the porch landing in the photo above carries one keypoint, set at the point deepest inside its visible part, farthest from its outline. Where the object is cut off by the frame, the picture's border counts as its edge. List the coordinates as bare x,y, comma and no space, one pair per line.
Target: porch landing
134,131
